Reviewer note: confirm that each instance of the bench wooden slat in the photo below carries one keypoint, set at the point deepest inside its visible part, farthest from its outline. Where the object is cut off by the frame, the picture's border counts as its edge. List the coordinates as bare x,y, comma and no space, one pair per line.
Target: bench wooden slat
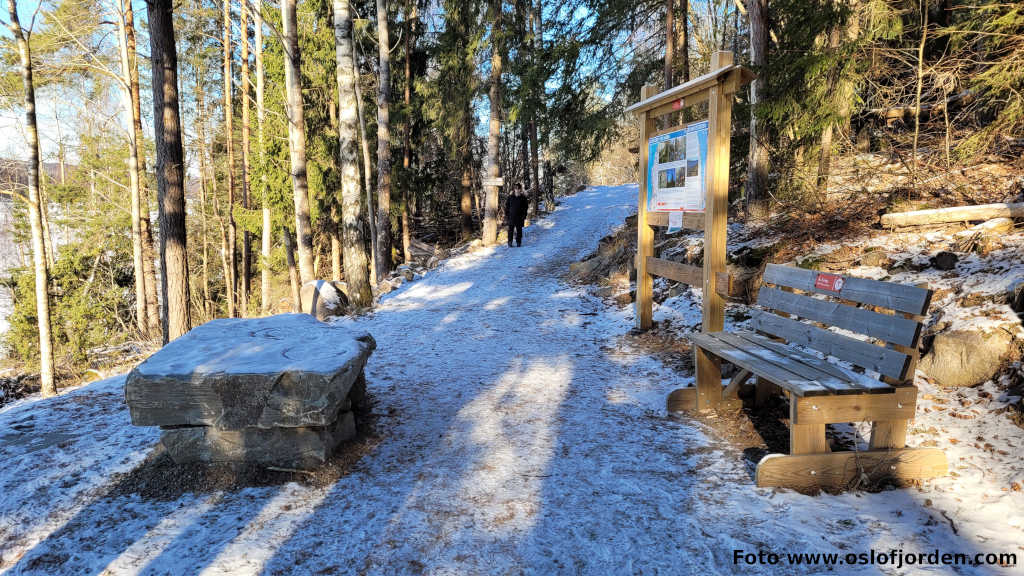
793,382
819,363
882,360
788,362
899,297
836,384
895,329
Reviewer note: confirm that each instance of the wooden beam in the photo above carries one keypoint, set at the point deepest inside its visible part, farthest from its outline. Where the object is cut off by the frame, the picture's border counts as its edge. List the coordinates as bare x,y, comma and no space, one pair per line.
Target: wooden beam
900,405
704,83
723,284
691,220
685,400
805,438
737,380
891,434
843,469
645,234
716,206
677,271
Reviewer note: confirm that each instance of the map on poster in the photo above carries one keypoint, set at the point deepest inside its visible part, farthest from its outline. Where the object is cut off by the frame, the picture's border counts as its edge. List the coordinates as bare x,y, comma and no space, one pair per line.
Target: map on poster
675,169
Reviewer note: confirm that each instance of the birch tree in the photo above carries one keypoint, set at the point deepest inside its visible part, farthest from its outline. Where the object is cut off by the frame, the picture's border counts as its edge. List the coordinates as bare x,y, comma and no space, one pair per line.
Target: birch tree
355,261
35,206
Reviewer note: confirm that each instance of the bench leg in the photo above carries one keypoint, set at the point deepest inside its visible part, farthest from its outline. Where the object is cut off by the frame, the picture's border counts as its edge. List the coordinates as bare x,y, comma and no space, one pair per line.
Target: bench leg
762,391
888,434
805,438
709,379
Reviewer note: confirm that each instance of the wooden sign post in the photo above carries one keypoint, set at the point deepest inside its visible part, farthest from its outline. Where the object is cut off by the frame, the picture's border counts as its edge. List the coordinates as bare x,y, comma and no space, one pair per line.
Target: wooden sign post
717,88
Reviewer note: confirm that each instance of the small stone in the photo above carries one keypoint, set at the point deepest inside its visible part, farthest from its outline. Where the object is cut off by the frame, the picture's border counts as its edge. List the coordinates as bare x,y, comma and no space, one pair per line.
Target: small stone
945,260
876,258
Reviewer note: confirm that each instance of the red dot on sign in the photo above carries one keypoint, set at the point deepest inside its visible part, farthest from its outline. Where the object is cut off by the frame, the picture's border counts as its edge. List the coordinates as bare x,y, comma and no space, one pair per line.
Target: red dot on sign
677,104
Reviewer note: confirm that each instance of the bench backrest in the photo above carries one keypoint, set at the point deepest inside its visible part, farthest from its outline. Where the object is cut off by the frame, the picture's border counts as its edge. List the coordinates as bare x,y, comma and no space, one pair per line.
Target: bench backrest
893,336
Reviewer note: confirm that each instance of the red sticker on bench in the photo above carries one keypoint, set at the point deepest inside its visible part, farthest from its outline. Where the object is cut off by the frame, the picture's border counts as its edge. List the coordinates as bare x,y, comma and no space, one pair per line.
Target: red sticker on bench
830,282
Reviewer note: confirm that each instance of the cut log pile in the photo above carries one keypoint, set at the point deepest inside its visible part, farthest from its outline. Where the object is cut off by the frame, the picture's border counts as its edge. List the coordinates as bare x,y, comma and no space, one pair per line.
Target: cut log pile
275,391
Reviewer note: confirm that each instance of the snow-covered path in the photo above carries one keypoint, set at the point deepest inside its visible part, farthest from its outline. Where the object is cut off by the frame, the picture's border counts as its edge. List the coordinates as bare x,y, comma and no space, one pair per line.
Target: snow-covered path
514,441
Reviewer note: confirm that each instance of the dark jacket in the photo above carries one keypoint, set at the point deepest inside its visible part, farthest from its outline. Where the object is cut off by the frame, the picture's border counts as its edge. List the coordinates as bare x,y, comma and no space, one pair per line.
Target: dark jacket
515,209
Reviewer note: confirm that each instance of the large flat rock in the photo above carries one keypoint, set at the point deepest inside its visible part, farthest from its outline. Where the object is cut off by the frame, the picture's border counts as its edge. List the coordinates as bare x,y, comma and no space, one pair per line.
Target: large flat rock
287,447
289,370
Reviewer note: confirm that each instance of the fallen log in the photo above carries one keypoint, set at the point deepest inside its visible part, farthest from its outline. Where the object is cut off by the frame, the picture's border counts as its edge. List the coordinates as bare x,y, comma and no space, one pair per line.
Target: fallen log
954,214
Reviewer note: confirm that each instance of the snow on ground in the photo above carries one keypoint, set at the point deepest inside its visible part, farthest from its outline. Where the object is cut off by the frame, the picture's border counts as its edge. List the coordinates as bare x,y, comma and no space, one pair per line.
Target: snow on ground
520,436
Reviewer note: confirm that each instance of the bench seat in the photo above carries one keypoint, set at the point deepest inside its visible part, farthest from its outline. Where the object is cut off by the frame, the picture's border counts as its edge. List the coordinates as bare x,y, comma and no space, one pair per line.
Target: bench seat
799,372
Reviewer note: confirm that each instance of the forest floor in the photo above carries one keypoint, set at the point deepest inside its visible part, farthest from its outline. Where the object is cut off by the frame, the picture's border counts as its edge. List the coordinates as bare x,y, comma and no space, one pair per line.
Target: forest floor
517,428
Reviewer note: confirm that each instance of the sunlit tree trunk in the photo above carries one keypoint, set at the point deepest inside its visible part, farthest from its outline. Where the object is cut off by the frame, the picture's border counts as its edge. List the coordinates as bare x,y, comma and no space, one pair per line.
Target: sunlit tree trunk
297,139
35,208
757,163
490,232
670,40
246,272
383,142
148,252
203,190
354,243
231,273
410,12
293,273
367,176
266,232
169,170
466,182
134,178
684,34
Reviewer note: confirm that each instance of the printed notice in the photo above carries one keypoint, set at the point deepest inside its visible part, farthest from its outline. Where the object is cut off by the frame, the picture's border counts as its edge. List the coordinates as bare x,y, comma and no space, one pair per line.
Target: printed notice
676,170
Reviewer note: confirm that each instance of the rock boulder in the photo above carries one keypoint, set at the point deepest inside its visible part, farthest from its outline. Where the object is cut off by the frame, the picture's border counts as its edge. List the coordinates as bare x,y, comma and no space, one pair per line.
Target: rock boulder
966,358
323,299
289,370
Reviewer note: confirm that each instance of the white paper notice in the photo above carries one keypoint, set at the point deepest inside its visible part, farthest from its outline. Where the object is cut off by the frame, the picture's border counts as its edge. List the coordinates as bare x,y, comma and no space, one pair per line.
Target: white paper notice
675,222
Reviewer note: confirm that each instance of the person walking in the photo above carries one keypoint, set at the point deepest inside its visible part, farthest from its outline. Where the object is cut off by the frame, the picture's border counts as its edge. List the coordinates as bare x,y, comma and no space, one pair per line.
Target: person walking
515,213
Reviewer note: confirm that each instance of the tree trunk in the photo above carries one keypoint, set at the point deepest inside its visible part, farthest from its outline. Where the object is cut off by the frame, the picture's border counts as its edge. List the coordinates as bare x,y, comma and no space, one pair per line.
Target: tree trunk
466,182
490,232
383,143
757,168
267,244
406,151
231,273
367,176
153,309
335,232
134,178
35,208
293,274
169,170
684,45
920,83
203,190
354,243
297,139
670,41
535,39
244,284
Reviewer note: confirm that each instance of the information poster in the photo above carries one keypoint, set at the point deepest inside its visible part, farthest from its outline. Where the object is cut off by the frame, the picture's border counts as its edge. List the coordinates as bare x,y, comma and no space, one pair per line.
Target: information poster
676,166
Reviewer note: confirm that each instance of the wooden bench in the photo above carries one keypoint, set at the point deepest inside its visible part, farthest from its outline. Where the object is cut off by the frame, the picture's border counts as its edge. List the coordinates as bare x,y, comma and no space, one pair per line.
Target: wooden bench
780,352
